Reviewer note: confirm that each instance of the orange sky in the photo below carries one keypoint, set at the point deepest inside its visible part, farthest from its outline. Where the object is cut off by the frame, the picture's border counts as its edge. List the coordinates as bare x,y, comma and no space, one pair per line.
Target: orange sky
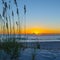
34,30
39,31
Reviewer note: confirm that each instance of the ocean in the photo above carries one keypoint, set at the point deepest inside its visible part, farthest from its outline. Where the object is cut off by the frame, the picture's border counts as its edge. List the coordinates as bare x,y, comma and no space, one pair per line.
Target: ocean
45,41
36,47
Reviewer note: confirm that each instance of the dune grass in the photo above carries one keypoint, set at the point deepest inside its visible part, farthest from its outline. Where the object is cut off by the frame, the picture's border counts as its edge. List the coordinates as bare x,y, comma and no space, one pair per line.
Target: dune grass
11,47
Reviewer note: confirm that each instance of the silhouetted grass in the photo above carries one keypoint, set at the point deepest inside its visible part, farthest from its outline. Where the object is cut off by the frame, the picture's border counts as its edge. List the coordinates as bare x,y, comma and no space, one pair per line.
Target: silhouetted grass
11,47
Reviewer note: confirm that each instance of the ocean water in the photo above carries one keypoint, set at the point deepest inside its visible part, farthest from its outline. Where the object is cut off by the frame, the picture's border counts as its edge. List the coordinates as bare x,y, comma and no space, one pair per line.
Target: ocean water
39,37
48,48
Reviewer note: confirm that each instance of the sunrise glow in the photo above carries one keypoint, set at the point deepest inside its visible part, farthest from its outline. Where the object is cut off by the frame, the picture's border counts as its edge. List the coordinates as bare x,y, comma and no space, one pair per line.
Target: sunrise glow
32,31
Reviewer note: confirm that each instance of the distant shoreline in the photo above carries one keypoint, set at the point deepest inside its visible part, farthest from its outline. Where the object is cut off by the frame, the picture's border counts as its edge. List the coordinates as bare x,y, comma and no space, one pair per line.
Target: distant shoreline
34,34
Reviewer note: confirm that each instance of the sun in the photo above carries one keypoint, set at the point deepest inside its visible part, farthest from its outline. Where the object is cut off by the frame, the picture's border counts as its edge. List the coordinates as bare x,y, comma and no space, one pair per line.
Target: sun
36,32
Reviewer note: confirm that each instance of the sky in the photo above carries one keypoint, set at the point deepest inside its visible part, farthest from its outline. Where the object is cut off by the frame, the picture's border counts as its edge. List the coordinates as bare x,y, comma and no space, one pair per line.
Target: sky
42,16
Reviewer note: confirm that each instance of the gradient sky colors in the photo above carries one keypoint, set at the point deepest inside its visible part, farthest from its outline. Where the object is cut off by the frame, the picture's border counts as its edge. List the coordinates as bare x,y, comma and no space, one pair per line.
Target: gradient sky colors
42,16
